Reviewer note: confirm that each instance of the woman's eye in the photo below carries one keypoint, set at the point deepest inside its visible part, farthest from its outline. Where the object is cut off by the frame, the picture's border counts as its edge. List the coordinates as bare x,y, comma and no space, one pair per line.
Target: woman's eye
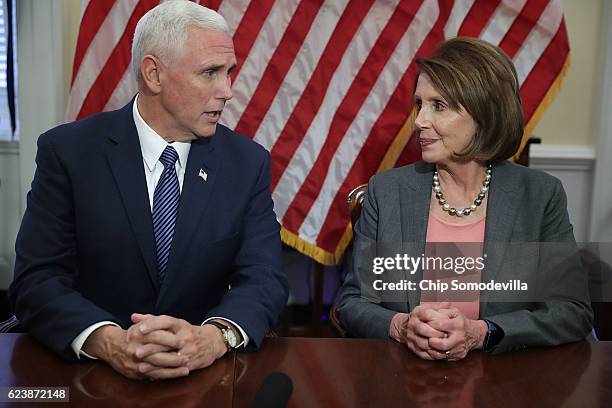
438,106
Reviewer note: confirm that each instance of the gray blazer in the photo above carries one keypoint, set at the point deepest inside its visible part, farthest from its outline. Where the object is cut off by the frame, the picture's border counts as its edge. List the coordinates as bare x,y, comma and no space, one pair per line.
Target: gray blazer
524,205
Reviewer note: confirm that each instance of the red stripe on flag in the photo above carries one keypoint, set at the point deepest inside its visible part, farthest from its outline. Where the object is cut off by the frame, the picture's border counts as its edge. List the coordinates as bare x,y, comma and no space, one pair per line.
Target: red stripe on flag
346,113
114,69
248,30
478,17
521,27
310,101
378,142
544,72
371,155
211,4
278,66
93,17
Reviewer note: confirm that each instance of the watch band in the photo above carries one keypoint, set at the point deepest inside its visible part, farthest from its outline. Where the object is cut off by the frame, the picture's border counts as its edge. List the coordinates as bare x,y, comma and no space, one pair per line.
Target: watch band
494,335
224,328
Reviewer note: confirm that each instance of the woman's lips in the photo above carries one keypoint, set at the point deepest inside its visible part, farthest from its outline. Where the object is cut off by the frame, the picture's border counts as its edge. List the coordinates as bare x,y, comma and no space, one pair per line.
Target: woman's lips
426,142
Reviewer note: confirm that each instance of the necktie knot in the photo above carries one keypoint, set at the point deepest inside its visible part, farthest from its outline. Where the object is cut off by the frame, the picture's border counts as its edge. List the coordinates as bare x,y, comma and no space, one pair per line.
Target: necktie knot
168,157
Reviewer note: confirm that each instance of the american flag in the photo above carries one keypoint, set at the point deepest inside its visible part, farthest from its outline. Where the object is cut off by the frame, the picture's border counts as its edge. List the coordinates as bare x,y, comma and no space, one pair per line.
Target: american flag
326,86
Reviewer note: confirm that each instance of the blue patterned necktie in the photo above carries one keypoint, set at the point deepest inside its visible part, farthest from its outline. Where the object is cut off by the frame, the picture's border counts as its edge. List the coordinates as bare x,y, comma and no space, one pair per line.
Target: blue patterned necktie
165,204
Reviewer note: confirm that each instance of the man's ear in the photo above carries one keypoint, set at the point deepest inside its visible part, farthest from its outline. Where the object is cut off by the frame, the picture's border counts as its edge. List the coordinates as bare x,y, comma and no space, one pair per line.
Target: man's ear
150,67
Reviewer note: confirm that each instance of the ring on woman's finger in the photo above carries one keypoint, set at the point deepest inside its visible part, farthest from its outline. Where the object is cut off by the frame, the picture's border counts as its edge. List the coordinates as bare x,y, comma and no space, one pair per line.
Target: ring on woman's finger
447,354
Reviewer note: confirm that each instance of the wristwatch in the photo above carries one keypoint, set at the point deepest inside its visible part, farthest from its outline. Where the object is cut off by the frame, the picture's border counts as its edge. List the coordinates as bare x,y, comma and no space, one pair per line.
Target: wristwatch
494,335
229,335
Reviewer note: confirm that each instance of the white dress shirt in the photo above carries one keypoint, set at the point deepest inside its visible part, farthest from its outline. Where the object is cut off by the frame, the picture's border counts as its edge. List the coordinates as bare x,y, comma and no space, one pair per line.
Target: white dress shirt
152,145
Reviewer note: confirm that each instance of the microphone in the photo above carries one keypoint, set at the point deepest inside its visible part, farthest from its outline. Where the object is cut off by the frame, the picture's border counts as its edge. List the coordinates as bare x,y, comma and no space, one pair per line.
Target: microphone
274,392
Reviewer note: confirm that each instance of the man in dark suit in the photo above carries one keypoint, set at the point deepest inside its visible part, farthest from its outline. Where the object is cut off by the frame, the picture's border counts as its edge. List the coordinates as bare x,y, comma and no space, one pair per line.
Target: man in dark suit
149,239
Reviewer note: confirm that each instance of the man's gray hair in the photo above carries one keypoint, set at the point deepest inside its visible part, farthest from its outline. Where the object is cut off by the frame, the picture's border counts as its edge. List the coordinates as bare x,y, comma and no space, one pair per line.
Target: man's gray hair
163,30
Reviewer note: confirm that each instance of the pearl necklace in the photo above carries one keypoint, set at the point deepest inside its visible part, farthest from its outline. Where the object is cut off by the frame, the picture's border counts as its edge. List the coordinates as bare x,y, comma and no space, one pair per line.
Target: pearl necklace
467,210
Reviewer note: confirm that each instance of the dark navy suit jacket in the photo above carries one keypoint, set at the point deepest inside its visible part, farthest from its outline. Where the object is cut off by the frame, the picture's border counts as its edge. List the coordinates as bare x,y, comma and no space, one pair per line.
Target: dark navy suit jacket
86,250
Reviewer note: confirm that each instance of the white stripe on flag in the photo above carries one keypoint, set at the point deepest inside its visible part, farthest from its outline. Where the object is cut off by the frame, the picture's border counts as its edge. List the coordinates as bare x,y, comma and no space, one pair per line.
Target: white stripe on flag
460,9
233,11
97,54
310,147
502,20
359,130
299,74
125,90
255,64
538,39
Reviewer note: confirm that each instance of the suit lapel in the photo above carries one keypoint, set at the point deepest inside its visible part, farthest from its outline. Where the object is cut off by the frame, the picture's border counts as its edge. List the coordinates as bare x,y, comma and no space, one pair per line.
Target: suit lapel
124,156
196,192
415,198
502,207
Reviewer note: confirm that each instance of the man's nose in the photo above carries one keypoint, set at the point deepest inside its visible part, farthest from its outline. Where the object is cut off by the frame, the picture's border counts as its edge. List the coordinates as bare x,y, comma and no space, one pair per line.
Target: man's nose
225,89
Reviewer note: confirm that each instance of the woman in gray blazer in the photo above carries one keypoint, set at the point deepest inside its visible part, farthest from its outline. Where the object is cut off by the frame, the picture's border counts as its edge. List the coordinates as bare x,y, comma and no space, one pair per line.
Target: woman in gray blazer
469,123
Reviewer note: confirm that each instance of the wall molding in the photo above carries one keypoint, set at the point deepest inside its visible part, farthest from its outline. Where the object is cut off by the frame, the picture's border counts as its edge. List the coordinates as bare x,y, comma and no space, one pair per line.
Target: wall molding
9,148
562,157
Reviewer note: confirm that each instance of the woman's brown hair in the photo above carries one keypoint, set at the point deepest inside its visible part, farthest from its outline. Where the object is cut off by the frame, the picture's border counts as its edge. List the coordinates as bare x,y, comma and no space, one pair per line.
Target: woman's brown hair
479,77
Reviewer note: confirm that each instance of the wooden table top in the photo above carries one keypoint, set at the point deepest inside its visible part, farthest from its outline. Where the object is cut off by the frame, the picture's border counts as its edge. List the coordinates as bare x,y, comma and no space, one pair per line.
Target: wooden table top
334,373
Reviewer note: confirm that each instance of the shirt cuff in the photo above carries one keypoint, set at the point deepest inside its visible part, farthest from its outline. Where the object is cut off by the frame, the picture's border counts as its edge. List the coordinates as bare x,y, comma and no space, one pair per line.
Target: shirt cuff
77,343
245,337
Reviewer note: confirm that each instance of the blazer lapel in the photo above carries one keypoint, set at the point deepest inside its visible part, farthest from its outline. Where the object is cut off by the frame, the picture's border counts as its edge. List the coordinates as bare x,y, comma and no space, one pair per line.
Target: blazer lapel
198,183
415,197
124,156
502,207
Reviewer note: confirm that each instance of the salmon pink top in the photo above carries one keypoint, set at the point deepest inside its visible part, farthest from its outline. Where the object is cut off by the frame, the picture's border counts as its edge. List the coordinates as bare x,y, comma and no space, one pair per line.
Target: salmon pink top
439,230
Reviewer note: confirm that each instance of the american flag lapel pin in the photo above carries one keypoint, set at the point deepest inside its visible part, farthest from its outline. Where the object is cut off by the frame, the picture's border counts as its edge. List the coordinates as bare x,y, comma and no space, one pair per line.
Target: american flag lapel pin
203,174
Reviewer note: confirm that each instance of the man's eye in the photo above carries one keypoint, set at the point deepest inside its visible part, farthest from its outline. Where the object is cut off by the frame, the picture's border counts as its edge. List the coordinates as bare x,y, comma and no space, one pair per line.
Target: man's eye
418,104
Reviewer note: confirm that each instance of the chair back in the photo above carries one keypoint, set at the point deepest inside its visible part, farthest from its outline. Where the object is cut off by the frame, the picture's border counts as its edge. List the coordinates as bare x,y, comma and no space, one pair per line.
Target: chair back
355,202
12,325
355,205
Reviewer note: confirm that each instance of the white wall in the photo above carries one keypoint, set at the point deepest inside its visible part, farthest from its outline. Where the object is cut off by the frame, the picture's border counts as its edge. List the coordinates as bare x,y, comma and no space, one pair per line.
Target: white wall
41,92
574,166
571,118
601,201
10,214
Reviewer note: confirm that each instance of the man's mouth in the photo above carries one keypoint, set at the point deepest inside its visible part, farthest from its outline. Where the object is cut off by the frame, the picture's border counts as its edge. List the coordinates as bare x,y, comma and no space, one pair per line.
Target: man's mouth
213,116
